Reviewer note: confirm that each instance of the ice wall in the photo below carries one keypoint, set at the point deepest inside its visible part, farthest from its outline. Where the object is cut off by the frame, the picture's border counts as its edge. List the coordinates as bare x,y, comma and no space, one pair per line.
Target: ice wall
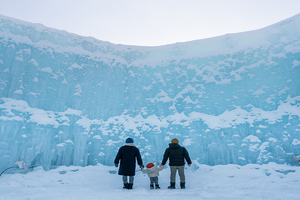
72,100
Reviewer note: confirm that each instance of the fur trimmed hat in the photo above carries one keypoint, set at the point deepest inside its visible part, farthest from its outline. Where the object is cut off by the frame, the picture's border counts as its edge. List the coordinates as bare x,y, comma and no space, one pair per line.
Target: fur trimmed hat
129,140
149,165
175,141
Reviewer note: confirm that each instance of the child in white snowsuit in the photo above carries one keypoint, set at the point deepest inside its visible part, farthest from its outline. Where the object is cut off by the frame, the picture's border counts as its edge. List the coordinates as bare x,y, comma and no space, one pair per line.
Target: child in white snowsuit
153,173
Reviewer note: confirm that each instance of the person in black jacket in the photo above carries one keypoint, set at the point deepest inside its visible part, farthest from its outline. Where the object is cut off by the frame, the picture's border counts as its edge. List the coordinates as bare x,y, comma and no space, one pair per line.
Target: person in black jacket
177,156
128,154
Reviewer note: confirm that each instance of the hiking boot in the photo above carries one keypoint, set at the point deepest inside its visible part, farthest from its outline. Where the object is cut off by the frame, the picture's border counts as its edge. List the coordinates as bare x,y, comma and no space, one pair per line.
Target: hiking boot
157,186
130,186
125,186
182,185
151,186
172,185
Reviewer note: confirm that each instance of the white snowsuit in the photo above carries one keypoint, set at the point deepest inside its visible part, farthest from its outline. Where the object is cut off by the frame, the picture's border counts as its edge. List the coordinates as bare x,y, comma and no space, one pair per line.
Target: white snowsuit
153,171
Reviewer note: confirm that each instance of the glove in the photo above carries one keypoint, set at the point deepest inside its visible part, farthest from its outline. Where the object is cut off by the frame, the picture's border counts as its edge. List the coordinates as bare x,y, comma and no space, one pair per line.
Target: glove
142,166
116,165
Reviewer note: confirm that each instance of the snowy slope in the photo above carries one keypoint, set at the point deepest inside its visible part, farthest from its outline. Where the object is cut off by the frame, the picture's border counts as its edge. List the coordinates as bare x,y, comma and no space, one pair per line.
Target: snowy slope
72,100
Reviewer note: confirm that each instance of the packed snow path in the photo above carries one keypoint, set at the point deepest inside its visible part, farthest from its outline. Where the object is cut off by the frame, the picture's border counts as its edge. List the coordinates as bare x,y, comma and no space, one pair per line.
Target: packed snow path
271,181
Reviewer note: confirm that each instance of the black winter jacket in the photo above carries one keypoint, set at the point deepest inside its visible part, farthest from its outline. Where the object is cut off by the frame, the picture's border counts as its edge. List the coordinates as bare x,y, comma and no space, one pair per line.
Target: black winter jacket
176,155
128,156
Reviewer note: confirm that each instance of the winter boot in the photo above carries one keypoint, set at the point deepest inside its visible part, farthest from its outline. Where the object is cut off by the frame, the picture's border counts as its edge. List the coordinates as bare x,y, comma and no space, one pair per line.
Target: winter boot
130,186
151,186
182,185
157,186
172,185
125,186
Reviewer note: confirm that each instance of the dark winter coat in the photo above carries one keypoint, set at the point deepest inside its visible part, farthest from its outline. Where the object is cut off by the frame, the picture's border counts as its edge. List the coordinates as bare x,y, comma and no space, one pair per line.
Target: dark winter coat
176,155
128,154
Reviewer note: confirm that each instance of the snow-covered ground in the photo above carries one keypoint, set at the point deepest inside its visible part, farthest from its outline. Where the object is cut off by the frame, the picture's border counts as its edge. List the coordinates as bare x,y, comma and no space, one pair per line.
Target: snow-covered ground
253,181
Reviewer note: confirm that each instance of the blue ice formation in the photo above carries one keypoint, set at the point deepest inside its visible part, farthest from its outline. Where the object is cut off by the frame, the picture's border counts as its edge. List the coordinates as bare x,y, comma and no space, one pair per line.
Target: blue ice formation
72,100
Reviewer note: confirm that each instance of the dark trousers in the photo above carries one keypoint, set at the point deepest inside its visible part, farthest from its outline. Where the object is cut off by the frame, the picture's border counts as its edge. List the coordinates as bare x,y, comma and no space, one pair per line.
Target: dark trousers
180,172
154,180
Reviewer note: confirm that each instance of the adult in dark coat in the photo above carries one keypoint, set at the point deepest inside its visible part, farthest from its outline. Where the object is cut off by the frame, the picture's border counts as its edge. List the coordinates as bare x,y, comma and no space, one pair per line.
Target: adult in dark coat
128,154
177,156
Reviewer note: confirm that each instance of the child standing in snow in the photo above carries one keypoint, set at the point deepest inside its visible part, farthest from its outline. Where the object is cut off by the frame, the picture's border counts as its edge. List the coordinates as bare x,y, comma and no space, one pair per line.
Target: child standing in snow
153,173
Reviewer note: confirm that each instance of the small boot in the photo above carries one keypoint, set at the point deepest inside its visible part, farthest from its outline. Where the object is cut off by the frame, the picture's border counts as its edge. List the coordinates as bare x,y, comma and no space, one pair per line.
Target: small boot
172,185
157,186
125,186
182,185
130,186
151,186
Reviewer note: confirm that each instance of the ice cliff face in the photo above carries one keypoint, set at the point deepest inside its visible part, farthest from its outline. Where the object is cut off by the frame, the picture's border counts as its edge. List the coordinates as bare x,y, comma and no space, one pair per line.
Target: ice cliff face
72,100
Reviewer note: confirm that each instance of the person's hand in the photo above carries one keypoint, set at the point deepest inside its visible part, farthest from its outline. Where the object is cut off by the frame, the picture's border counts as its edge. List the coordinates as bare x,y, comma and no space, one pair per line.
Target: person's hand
141,166
116,165
161,165
189,165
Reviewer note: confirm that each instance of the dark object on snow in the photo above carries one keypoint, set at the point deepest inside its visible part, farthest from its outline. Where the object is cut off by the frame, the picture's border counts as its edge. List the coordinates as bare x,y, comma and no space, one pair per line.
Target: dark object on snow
182,185
130,186
172,185
157,186
177,156
128,155
125,186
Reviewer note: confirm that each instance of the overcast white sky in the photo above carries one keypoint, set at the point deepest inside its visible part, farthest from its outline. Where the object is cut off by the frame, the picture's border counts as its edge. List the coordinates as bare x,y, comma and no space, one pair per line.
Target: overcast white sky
151,22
